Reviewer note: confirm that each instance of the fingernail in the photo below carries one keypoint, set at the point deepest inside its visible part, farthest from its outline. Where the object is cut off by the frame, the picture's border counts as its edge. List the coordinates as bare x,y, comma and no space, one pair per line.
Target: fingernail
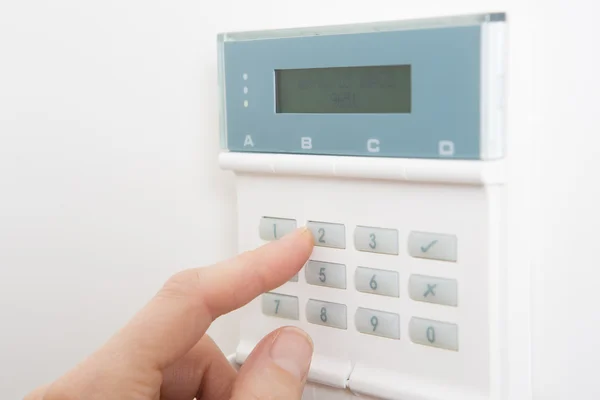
292,351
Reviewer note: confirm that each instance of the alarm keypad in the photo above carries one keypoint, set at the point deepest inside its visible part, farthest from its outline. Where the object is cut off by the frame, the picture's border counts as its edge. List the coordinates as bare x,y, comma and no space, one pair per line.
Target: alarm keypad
436,290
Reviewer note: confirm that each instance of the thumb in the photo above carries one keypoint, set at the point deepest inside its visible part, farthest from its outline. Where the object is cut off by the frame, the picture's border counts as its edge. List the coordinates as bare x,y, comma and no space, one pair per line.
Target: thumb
277,368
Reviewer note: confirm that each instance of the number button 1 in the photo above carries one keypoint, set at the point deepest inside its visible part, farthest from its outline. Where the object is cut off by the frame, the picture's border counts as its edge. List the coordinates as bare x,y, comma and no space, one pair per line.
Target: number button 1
275,228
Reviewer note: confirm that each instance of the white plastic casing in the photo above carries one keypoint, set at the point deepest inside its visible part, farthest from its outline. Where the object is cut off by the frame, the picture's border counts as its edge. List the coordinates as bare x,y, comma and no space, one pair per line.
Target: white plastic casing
453,197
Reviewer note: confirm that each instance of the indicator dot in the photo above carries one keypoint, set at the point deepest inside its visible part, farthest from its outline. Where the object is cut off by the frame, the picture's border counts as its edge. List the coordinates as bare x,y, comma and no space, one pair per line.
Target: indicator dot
245,76
246,90
245,103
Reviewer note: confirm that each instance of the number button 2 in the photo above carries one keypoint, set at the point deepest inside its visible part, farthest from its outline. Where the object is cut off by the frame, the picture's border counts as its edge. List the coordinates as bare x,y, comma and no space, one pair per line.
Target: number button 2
322,235
326,234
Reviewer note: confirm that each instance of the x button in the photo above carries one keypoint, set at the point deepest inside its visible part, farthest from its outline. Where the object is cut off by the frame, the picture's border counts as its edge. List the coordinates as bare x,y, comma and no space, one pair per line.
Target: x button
430,290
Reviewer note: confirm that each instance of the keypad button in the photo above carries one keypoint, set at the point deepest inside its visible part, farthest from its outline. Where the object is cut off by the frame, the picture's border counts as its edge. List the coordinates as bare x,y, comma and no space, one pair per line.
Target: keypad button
327,314
325,274
376,240
433,333
377,281
433,290
328,234
280,305
275,228
434,246
378,323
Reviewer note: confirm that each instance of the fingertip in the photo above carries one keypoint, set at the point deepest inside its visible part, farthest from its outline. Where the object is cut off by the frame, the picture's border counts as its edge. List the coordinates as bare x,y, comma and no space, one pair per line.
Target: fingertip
302,236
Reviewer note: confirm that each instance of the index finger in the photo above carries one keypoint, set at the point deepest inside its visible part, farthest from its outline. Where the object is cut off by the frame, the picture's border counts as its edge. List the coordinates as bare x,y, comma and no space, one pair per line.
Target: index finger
179,315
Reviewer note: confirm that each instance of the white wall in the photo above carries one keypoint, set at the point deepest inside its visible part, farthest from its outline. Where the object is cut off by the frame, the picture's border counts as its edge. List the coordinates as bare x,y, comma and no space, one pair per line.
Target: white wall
109,181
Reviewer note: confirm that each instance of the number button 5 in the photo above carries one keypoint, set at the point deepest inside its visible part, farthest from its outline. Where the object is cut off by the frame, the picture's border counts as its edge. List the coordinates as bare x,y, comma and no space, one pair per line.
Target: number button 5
320,273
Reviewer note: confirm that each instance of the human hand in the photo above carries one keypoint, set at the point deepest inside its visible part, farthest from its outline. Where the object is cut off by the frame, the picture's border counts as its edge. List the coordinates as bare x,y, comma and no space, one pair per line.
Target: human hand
164,354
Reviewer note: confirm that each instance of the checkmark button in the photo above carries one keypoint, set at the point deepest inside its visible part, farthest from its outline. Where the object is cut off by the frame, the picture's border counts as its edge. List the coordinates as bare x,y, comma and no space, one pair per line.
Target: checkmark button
433,246
426,248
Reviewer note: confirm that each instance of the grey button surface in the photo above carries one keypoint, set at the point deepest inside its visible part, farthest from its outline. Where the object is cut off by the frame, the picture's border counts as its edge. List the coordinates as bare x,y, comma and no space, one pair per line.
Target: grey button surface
275,228
327,314
433,290
377,281
378,323
328,234
376,240
434,333
434,246
325,274
280,305
294,278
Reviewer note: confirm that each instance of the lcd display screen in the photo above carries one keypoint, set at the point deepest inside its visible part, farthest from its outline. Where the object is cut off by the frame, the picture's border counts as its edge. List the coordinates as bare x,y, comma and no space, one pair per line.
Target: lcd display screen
344,90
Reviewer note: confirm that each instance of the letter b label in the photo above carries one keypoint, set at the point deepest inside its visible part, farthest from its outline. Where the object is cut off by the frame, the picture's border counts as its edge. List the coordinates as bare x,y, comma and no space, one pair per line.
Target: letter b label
306,143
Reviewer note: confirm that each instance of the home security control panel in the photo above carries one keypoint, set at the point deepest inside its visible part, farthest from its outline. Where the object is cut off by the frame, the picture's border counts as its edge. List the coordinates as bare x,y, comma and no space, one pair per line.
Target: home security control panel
386,140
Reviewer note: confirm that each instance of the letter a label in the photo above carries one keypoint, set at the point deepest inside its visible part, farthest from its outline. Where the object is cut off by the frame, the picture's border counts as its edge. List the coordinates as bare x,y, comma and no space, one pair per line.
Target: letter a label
248,142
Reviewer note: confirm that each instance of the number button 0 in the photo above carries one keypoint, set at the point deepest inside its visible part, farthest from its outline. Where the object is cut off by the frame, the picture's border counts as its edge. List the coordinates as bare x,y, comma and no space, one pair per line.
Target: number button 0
327,314
280,305
434,333
320,273
378,323
328,234
377,281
